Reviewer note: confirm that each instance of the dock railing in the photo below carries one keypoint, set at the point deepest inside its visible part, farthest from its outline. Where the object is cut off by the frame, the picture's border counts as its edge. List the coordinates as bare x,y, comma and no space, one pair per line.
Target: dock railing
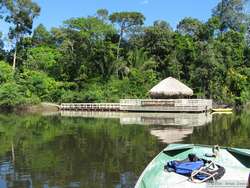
91,106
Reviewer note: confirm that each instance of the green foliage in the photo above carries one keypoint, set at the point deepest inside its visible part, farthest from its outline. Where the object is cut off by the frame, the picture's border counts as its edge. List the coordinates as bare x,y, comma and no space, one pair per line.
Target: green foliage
162,24
106,57
12,95
126,22
41,36
21,15
6,73
102,14
158,42
231,14
189,26
89,28
40,84
44,59
69,96
87,49
127,19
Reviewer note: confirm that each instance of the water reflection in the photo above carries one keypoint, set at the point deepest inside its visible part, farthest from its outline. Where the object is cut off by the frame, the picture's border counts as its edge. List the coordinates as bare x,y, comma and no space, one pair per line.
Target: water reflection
226,130
56,151
108,151
167,127
171,135
9,178
176,119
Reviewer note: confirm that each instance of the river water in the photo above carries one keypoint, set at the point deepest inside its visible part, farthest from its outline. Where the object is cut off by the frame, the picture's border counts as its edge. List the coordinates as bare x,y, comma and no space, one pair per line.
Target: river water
102,150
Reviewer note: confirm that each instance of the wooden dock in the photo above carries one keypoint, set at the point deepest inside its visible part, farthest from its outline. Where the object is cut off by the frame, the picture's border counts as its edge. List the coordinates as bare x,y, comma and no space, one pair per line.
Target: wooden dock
90,106
144,105
166,105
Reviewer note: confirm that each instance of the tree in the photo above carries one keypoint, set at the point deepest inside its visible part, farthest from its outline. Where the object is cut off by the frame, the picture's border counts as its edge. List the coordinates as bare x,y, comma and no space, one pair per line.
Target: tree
43,58
205,67
87,48
126,20
162,24
189,26
104,60
21,16
1,41
87,59
231,14
159,44
210,29
139,59
41,36
102,14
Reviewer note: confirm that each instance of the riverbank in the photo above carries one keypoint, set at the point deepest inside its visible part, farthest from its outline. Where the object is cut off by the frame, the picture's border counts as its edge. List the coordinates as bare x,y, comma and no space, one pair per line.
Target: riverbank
43,107
40,108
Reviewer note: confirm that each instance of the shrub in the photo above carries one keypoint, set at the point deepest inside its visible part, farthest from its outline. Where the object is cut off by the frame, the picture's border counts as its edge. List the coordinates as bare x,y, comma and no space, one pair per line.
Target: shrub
40,84
6,72
11,95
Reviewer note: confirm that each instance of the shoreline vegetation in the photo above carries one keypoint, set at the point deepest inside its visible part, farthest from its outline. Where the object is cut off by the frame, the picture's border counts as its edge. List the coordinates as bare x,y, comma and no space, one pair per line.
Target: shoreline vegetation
110,56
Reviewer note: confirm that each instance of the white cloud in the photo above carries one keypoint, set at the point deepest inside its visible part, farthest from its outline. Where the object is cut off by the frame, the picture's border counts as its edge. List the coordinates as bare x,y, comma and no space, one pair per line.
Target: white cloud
144,2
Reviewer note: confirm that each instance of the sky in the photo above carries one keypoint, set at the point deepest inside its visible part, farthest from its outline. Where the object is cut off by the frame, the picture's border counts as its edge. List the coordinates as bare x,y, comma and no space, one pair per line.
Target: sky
54,12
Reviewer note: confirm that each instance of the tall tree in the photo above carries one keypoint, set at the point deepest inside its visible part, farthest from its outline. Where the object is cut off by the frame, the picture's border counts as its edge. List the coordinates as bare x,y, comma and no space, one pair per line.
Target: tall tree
231,14
189,26
41,36
102,14
162,24
86,47
126,21
159,44
21,16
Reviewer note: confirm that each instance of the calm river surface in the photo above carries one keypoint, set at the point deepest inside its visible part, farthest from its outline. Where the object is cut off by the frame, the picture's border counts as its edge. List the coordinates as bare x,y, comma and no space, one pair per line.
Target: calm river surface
102,150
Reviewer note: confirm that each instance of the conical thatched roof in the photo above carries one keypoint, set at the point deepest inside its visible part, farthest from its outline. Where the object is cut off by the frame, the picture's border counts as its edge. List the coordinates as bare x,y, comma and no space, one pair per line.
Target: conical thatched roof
170,87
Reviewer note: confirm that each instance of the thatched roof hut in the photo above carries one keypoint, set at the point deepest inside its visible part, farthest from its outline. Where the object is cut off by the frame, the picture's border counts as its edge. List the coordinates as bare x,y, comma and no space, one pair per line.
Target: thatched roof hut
170,88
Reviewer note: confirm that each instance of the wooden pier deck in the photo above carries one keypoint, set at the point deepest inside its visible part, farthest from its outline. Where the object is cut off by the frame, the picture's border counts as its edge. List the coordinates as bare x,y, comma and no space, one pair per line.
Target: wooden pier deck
144,105
90,106
166,105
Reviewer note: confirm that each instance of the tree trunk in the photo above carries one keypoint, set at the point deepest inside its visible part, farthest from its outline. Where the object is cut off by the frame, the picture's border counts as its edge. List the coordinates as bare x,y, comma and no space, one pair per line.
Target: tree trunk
14,59
13,153
119,42
221,18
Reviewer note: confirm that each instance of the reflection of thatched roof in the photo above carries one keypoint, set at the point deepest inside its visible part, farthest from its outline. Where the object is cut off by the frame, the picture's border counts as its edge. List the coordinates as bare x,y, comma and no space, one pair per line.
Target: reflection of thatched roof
172,135
170,87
